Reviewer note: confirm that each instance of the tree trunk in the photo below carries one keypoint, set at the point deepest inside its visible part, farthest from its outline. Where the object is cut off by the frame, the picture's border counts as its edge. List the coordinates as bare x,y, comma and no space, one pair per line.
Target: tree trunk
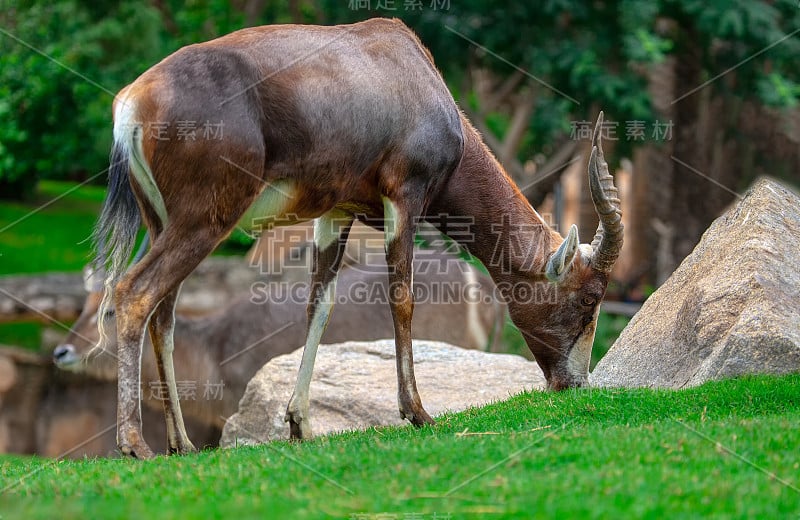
680,185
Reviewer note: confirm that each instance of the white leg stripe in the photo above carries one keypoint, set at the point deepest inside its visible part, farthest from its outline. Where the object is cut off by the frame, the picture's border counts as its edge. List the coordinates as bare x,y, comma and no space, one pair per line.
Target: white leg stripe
390,221
315,330
478,334
328,228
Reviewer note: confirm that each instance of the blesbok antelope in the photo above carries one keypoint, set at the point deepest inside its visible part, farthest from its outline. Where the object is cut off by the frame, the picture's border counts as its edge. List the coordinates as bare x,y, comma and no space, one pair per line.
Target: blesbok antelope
334,124
228,347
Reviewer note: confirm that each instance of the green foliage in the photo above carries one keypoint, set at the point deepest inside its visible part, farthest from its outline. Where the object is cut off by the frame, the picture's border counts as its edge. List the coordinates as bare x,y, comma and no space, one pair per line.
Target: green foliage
575,55
779,91
731,34
597,53
726,449
55,123
647,47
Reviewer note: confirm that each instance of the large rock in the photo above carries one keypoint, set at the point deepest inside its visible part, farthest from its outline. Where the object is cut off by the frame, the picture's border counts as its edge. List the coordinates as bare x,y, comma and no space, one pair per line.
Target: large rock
354,386
731,308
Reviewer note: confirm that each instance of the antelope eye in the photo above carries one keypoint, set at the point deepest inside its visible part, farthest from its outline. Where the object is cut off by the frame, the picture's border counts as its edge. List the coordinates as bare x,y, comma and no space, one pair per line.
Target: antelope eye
588,301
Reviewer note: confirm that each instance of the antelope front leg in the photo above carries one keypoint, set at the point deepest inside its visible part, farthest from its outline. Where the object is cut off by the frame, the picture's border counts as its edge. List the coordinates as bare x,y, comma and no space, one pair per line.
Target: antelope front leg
330,237
400,229
162,328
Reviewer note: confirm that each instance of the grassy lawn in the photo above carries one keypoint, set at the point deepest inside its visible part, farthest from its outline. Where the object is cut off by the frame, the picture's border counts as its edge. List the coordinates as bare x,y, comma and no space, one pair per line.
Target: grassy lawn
49,233
24,334
727,449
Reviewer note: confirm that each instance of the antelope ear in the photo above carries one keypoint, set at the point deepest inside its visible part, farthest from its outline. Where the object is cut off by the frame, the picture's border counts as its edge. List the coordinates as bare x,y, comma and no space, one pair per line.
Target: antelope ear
561,260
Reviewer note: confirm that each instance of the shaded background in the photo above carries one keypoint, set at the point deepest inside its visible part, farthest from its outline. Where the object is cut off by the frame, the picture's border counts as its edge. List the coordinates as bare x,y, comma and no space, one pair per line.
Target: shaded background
702,97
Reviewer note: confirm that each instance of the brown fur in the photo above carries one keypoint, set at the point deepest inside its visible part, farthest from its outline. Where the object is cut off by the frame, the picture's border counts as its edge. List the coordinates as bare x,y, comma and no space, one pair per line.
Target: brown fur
481,189
355,116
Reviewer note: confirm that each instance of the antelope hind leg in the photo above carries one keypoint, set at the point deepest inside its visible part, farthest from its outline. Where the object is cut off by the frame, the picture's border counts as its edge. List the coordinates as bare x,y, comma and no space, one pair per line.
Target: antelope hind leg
162,328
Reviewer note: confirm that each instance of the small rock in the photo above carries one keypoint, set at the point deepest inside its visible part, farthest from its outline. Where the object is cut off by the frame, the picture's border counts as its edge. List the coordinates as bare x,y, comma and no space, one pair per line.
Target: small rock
355,386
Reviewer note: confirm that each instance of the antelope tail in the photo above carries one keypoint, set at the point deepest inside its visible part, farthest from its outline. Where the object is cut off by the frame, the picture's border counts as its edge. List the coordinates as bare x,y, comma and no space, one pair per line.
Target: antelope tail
115,232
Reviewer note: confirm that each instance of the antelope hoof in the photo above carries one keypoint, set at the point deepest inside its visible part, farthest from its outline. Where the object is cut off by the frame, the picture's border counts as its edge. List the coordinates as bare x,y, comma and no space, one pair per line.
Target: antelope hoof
139,450
299,427
131,444
183,447
417,416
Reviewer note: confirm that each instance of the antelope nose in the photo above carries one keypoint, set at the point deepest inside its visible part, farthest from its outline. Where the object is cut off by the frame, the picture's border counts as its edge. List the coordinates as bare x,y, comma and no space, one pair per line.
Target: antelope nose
64,354
557,384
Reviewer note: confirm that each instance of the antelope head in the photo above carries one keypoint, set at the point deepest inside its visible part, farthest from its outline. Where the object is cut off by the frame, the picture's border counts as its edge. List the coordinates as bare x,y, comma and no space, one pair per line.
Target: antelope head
78,352
560,329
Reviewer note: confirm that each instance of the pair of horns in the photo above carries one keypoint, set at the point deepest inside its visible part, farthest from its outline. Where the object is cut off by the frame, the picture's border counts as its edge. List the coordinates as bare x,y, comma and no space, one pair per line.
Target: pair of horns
608,238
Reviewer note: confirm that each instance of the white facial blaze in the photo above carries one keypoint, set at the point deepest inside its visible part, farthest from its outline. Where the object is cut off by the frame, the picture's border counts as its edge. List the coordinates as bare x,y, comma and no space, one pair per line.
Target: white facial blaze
581,354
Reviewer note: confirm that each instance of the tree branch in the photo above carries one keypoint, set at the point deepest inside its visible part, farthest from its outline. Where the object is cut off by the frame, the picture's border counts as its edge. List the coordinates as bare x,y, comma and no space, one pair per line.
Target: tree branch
503,91
523,109
546,175
169,21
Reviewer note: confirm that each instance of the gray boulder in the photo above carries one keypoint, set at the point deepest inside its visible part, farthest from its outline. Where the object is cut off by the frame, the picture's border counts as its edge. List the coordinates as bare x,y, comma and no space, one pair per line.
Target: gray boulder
354,387
731,308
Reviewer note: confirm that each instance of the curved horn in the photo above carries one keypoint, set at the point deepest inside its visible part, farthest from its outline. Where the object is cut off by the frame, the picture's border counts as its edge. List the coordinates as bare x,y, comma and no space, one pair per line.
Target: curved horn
608,238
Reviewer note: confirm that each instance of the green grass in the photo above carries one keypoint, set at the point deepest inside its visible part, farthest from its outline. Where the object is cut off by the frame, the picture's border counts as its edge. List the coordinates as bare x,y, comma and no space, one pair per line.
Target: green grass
24,334
49,233
576,454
